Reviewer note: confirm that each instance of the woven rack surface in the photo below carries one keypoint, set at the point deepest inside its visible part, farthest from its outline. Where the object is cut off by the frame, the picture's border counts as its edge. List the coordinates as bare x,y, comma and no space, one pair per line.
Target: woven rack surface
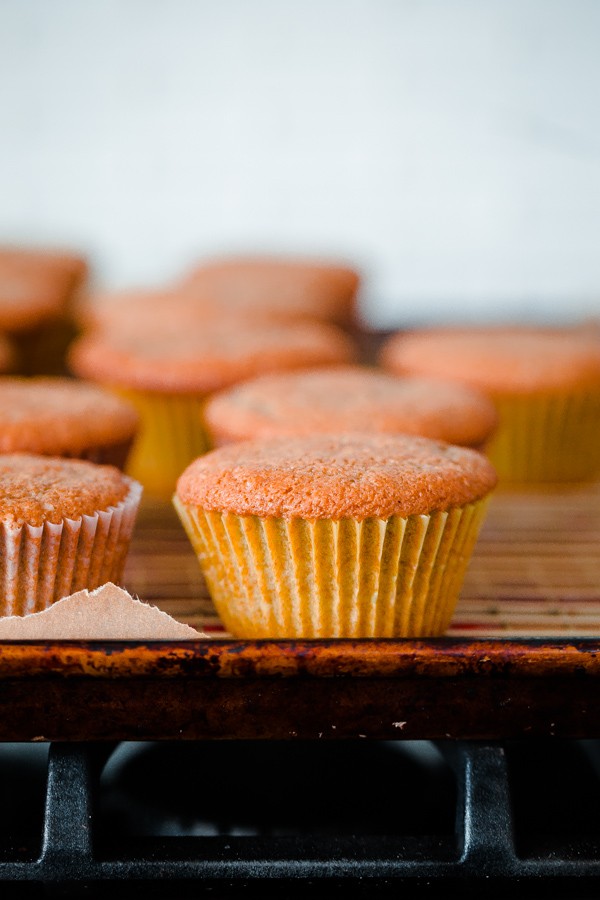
535,571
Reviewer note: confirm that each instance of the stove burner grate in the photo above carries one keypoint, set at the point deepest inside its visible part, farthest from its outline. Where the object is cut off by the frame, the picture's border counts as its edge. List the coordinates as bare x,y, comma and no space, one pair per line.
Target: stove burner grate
511,817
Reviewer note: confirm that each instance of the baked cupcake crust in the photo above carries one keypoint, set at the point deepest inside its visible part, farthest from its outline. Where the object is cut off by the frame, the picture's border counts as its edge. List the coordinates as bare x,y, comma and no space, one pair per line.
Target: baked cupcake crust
205,359
35,285
355,476
283,287
187,308
57,416
38,489
141,310
498,360
350,398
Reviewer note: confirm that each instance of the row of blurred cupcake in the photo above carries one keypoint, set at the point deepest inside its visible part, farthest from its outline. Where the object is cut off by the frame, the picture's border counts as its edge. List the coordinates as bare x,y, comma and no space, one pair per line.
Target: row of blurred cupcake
248,348
243,348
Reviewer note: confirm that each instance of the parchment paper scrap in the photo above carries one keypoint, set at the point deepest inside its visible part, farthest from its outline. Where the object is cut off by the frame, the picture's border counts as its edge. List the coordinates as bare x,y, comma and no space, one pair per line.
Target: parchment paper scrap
106,613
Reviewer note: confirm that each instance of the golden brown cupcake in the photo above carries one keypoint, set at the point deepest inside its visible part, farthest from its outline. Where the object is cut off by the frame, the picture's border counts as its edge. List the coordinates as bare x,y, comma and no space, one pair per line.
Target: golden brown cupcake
133,310
65,525
164,311
168,375
284,288
544,382
353,535
349,398
37,288
234,292
56,416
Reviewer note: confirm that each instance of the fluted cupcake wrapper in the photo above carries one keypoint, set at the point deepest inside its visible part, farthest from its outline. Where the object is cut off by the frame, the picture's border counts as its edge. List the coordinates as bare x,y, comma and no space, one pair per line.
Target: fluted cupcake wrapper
396,577
42,564
170,436
547,437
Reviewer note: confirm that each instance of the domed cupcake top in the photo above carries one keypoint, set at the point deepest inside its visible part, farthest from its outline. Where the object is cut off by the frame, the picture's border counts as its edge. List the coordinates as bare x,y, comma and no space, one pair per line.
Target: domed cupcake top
516,359
53,415
36,284
37,489
207,358
354,475
146,310
283,287
350,398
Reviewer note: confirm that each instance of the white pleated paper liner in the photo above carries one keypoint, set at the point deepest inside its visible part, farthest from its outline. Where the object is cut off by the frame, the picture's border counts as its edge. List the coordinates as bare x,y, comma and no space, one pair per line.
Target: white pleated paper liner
287,578
42,564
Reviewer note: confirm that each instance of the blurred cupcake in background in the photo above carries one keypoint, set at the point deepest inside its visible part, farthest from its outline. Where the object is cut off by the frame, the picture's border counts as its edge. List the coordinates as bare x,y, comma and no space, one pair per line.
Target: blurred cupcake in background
350,398
160,310
281,288
545,383
263,289
56,416
133,309
37,290
168,372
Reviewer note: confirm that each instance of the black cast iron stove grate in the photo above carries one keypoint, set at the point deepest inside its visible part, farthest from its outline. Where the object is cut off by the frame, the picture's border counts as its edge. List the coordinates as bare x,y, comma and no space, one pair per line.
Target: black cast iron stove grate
121,835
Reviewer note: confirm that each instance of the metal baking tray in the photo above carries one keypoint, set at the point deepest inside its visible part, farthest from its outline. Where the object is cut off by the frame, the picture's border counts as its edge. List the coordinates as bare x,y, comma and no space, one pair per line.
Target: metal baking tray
521,659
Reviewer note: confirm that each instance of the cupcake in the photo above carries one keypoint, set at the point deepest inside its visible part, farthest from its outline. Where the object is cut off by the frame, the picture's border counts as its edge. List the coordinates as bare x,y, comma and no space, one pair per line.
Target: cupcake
37,288
285,288
544,382
163,310
169,373
328,536
132,310
349,398
65,524
55,416
234,292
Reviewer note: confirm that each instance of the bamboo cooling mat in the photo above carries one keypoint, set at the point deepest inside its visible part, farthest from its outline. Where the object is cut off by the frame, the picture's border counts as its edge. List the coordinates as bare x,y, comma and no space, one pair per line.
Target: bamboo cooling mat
535,571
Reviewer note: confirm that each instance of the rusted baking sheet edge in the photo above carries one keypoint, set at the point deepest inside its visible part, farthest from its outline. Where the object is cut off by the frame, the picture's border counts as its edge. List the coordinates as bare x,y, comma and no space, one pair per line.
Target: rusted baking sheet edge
281,690
436,658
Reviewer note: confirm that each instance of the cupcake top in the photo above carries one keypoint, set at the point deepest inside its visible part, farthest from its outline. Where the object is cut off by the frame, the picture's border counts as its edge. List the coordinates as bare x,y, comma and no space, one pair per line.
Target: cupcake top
53,416
205,359
354,475
37,489
498,359
35,285
285,287
148,310
350,398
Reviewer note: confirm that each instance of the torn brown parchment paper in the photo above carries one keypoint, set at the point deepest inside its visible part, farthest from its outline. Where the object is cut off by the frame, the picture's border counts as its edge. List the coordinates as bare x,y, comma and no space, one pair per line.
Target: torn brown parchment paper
106,613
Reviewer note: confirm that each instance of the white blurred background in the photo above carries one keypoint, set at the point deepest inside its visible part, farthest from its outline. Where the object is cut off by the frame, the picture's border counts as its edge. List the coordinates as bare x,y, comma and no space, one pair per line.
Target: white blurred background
449,148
